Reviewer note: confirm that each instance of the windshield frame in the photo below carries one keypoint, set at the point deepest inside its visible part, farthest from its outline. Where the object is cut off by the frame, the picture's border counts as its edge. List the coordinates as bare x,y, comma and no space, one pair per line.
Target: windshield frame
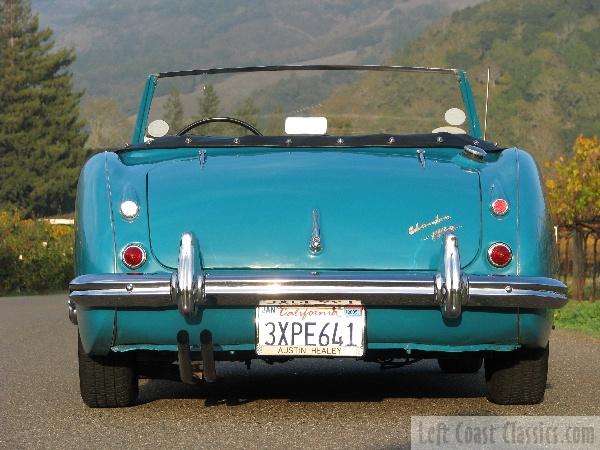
148,94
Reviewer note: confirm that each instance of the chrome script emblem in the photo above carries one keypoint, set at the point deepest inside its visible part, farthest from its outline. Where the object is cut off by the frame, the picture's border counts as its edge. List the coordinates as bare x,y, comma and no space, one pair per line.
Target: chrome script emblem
421,226
438,230
315,240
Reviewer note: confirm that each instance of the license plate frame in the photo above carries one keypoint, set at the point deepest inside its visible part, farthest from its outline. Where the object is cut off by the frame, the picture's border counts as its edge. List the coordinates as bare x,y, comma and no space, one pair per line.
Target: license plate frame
336,313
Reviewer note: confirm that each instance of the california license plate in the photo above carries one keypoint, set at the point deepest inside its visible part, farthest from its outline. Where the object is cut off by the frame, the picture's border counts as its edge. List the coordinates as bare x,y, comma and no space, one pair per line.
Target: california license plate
310,330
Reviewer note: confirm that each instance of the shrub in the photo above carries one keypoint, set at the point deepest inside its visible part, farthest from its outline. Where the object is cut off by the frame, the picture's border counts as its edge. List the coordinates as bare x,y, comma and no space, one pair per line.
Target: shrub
580,315
35,256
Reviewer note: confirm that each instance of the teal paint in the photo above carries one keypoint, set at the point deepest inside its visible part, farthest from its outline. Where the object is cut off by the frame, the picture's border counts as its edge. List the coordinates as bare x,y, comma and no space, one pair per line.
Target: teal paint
94,241
229,326
368,199
535,234
254,210
535,327
445,348
426,326
173,348
372,346
234,329
144,110
95,248
96,329
497,180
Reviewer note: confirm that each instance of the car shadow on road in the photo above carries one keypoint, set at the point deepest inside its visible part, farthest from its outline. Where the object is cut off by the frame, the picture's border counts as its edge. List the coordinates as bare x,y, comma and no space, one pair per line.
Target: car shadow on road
320,381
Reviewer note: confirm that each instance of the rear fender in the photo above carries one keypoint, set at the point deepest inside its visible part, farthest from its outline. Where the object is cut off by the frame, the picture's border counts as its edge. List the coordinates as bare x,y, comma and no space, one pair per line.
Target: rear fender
498,180
94,226
101,233
536,243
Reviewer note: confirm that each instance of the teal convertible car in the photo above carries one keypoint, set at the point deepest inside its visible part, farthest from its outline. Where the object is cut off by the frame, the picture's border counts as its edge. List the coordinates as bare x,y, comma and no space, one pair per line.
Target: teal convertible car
311,211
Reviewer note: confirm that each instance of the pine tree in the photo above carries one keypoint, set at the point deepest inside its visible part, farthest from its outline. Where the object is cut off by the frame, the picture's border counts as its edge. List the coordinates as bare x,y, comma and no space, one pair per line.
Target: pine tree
248,112
276,123
174,111
41,136
208,106
108,126
208,102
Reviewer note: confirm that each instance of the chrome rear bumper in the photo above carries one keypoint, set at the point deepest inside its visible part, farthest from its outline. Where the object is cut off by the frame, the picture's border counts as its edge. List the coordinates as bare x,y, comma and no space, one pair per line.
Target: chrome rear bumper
190,287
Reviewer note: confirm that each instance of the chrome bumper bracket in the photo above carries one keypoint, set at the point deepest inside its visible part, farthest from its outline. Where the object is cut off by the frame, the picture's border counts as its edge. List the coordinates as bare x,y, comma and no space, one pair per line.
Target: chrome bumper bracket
187,284
451,285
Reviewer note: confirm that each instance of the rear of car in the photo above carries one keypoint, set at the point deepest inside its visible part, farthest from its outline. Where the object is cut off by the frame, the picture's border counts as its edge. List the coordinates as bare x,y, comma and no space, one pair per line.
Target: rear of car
384,247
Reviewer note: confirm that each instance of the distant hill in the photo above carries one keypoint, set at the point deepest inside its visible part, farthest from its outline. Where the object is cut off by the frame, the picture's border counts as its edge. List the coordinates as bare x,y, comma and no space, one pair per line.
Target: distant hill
545,62
119,42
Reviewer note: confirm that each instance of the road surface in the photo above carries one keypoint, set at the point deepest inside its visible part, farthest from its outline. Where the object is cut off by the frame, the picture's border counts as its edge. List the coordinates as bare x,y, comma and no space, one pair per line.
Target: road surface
343,404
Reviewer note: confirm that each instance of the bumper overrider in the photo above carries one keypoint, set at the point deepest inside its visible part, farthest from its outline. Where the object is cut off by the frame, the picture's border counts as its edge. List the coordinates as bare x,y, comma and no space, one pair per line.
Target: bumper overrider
190,287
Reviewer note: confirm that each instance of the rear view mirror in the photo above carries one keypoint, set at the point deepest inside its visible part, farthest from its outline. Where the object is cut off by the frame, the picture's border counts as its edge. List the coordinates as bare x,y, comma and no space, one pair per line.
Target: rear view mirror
306,125
158,128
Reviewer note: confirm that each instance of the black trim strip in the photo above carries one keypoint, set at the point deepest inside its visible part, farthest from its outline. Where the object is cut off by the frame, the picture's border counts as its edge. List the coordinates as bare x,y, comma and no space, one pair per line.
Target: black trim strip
431,140
380,68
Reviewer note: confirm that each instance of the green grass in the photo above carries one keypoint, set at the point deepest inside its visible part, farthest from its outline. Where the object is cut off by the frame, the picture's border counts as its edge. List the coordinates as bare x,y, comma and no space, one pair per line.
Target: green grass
580,315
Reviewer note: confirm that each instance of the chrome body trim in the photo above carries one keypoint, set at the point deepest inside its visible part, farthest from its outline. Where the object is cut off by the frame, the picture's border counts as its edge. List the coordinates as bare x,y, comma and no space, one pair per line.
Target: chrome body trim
202,158
72,308
121,289
189,287
315,241
310,303
111,212
250,288
421,156
475,153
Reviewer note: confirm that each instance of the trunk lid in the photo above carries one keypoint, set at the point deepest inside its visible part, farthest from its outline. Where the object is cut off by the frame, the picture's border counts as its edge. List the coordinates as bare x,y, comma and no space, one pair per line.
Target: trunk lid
254,208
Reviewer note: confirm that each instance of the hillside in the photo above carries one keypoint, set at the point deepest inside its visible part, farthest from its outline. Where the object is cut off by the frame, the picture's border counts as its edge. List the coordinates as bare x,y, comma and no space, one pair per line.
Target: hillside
545,62
119,42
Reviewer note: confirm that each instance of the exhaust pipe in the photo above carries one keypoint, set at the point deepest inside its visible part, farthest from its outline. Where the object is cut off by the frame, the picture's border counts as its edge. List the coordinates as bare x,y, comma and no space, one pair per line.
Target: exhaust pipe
184,358
208,357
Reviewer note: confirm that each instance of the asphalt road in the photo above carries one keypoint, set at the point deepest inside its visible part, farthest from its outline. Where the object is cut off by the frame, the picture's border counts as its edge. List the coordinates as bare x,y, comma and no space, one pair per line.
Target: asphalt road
308,403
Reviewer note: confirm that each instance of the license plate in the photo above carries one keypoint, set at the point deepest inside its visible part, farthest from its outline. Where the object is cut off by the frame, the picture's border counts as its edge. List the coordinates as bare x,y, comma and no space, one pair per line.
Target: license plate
310,330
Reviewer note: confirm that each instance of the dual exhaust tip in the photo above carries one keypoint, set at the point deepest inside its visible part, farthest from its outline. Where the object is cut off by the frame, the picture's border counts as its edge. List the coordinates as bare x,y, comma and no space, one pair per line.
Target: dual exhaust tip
187,374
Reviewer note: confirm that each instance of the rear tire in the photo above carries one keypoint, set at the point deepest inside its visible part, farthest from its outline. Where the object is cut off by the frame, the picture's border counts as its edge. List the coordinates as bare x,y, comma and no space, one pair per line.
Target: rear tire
107,381
460,365
518,377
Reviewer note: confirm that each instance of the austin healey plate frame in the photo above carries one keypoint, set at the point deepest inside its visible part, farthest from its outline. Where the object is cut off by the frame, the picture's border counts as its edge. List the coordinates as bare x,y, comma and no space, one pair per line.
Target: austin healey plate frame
348,313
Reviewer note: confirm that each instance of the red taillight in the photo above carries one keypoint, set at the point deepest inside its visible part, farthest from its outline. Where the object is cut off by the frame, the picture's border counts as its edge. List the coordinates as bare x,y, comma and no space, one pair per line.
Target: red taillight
499,206
499,254
133,256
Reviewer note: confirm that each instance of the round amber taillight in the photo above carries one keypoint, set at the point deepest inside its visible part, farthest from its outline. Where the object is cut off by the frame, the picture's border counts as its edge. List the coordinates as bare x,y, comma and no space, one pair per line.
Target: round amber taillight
499,206
499,254
133,256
